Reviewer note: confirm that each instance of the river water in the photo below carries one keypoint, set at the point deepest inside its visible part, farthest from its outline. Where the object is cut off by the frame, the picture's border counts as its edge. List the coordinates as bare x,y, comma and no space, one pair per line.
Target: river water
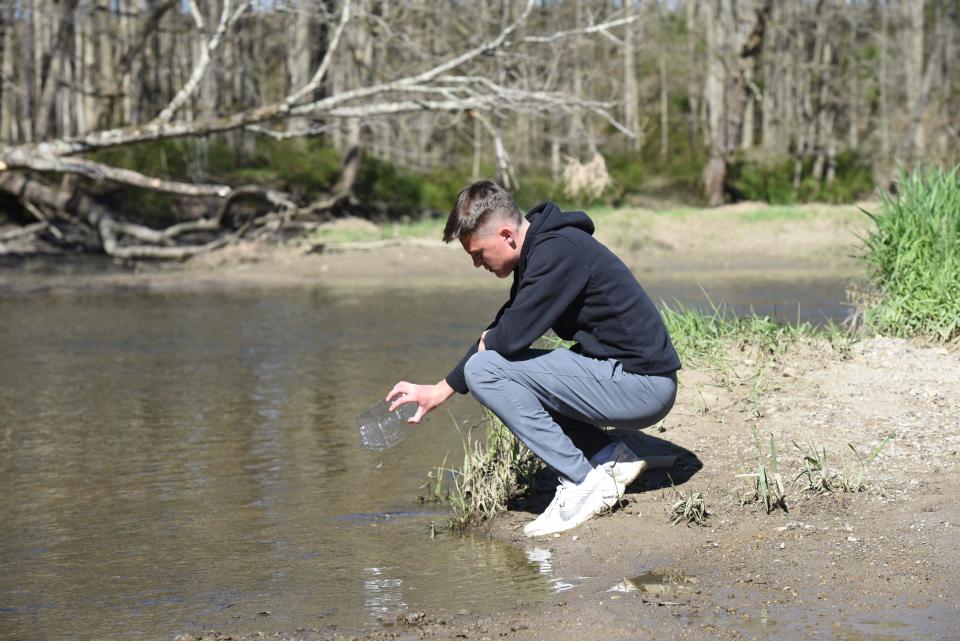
181,462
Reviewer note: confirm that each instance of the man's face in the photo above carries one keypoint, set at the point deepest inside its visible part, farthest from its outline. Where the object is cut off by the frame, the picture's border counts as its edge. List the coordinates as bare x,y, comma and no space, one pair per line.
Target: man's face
495,250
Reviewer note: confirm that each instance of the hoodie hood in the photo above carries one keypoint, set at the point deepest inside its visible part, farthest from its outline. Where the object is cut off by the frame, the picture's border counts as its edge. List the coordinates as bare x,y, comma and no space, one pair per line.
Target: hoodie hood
547,217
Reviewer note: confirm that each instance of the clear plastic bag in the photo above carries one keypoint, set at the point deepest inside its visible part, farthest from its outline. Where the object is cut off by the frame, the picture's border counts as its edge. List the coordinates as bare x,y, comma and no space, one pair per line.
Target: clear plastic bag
380,428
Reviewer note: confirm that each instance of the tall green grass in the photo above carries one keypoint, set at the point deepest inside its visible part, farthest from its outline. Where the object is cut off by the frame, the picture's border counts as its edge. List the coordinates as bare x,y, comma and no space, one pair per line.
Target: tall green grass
704,338
913,257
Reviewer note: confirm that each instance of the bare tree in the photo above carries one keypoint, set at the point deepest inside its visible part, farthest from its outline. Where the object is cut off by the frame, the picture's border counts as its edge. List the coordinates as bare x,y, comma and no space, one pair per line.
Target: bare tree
456,82
733,48
511,84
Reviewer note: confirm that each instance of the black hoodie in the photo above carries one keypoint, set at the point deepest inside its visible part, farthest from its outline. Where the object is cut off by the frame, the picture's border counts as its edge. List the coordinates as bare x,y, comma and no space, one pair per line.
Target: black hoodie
567,281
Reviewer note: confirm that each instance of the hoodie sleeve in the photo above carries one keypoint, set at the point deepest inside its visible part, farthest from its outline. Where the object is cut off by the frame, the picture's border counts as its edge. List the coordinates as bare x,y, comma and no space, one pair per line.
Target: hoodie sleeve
554,277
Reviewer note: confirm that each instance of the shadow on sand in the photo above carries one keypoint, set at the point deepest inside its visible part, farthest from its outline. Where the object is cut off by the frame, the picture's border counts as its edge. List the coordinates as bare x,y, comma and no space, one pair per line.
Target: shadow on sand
644,445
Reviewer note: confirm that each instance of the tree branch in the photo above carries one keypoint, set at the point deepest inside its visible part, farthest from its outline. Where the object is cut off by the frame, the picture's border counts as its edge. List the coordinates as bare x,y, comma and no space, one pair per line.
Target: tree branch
98,171
206,55
286,135
318,76
322,106
601,28
161,128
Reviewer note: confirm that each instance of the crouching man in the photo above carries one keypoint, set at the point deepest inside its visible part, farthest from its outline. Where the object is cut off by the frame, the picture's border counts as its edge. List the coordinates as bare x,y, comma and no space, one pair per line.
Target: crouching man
621,372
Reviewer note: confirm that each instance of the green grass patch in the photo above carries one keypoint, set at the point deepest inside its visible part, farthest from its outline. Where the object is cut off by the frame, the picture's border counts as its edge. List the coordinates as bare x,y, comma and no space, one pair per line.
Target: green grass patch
768,486
913,257
705,338
821,478
769,214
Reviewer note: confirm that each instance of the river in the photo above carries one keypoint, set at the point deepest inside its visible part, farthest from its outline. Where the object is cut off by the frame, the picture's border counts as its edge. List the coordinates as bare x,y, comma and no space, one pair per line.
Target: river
180,462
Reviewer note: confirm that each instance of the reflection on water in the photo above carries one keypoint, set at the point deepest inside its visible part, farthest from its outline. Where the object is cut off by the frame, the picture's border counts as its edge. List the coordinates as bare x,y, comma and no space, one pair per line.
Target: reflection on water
178,462
382,595
541,559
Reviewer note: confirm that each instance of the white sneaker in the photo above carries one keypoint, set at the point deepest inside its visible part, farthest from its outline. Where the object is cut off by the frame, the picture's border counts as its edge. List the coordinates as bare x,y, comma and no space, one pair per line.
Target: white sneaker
531,528
626,465
578,502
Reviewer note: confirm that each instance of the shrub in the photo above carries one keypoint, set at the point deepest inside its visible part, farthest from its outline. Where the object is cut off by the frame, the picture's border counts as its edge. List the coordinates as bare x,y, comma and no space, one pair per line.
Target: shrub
913,257
676,177
305,167
772,181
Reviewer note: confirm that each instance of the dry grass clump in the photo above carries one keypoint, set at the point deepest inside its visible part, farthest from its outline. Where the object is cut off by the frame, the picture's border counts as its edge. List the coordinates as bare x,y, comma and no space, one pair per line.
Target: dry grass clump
495,470
586,180
689,508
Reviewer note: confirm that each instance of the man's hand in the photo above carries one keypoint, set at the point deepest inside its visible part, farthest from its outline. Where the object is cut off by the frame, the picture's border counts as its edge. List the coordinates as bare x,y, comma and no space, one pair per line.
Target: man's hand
481,347
427,397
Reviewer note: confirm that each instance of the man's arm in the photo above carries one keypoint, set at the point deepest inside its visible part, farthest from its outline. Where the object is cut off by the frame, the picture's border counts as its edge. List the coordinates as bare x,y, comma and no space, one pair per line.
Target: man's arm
455,378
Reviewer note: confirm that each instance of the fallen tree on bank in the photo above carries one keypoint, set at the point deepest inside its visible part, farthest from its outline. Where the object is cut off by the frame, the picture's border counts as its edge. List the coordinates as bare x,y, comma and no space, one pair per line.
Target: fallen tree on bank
54,181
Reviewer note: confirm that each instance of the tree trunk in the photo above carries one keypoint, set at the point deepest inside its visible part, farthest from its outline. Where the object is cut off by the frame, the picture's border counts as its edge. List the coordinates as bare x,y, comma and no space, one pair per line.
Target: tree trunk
771,107
577,131
664,87
883,36
914,66
631,99
853,106
556,168
935,60
746,138
822,117
477,148
300,56
54,69
7,93
731,64
693,92
714,97
125,29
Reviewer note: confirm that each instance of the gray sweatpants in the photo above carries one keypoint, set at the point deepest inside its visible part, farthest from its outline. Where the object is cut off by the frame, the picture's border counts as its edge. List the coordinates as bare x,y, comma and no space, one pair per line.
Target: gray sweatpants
538,391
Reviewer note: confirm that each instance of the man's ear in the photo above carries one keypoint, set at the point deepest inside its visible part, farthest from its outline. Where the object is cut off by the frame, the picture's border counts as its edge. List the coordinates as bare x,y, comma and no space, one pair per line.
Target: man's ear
508,234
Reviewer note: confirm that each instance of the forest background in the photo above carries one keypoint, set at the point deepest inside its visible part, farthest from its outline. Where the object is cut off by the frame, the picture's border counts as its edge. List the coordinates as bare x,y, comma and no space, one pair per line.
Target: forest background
160,128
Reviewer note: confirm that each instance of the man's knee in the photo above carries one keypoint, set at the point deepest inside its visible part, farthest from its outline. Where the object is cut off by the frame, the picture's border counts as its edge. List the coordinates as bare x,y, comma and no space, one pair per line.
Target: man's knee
482,369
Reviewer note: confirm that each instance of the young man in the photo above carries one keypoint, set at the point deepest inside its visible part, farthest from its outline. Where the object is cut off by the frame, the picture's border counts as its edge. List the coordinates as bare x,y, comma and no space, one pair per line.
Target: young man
621,372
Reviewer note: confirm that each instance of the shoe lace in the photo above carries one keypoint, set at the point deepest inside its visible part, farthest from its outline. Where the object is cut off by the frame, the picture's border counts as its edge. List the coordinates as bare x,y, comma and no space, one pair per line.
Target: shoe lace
564,486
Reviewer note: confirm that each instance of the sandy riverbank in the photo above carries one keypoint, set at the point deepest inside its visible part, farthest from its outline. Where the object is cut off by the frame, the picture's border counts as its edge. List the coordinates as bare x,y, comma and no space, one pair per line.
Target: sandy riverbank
730,242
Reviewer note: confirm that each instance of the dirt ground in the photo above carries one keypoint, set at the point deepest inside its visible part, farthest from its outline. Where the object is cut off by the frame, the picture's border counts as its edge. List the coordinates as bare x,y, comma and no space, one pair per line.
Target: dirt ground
881,564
